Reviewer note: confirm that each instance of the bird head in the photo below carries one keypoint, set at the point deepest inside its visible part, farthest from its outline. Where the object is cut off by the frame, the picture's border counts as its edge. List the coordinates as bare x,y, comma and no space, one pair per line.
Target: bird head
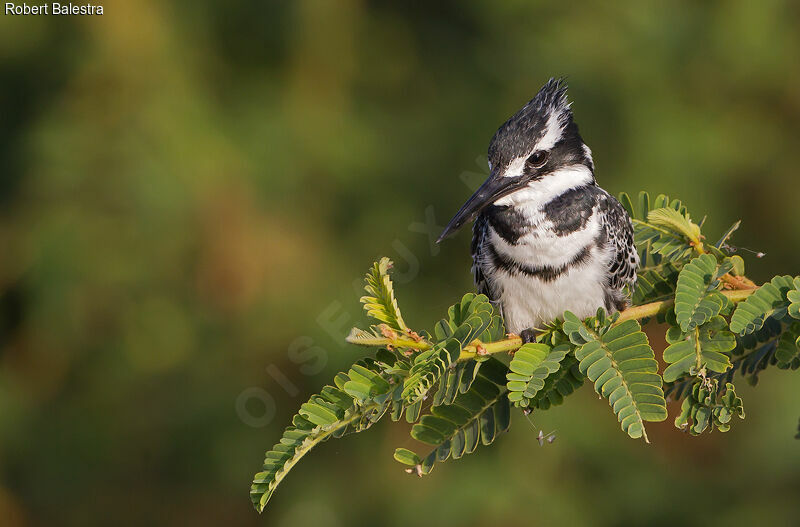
538,151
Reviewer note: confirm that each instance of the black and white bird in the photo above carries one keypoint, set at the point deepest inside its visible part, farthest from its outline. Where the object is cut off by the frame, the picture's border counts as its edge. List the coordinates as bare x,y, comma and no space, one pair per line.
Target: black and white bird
546,238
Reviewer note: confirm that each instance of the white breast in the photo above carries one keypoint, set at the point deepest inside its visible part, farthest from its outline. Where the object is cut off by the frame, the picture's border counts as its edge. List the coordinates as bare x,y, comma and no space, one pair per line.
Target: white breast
530,302
543,248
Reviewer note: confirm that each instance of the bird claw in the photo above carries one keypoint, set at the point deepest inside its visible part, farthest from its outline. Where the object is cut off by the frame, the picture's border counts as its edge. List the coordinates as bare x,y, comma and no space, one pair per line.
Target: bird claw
528,336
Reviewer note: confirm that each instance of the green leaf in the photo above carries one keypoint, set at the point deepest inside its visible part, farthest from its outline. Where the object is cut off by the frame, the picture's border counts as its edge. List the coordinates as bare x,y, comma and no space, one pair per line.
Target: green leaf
407,457
364,384
737,263
473,398
559,385
660,230
449,384
707,346
323,416
413,411
787,352
495,331
469,319
755,351
655,282
620,362
793,297
676,222
379,302
366,338
532,364
318,414
333,412
426,370
627,203
476,417
468,377
705,409
696,297
472,317
726,236
769,300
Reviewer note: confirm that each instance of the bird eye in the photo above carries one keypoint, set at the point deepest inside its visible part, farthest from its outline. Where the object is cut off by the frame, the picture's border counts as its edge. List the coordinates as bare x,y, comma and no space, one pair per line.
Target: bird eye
537,159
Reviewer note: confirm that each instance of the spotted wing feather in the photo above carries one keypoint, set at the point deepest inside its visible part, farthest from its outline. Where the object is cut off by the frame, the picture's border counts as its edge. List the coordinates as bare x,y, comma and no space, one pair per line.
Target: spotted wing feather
624,261
480,233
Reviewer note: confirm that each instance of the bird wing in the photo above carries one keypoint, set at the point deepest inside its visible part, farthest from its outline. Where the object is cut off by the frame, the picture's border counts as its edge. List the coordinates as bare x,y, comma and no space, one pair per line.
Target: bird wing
480,233
618,230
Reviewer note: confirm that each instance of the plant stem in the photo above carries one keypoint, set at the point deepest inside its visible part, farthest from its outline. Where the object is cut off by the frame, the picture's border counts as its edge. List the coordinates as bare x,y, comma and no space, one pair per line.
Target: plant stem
419,345
652,309
738,282
512,343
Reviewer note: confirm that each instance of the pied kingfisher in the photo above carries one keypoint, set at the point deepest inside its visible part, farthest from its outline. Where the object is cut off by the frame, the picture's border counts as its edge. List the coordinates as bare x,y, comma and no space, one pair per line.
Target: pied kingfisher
547,239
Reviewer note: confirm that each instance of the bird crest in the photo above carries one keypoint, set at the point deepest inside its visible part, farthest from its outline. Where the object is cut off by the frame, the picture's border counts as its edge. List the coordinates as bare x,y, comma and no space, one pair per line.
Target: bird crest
539,124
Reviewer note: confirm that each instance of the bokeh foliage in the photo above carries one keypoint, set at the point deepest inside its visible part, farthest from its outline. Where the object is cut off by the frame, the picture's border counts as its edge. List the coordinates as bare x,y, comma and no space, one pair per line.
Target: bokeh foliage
187,188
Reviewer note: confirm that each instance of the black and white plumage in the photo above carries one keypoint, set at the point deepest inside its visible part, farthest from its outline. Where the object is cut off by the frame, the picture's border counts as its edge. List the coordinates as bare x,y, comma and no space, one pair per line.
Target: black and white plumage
546,238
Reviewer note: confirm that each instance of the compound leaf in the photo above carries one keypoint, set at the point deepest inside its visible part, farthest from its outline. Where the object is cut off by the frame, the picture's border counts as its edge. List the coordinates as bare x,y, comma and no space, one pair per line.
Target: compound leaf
532,364
676,221
379,302
620,362
706,409
559,385
332,413
707,346
476,417
787,352
696,297
770,300
793,297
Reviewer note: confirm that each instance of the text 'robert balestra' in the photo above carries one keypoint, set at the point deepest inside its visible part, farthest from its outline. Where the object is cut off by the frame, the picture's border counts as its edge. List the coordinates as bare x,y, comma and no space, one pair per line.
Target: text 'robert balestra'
53,9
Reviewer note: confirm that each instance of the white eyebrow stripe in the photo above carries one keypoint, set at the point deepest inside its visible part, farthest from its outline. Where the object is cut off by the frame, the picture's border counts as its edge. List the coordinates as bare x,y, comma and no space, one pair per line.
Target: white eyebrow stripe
555,129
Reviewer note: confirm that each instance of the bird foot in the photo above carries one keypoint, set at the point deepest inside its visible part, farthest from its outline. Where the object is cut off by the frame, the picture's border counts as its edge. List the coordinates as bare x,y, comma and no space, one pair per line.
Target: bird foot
528,335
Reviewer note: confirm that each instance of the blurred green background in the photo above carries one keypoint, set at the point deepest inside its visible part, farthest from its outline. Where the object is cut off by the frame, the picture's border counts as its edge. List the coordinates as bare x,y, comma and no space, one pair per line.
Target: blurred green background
189,189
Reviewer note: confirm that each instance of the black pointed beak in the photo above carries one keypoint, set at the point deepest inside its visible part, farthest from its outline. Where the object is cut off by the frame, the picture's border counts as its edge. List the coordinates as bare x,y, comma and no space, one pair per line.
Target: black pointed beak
492,189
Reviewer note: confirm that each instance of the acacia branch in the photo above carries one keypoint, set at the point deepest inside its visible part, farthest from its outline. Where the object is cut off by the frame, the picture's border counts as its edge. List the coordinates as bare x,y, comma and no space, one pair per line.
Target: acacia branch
742,285
514,342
